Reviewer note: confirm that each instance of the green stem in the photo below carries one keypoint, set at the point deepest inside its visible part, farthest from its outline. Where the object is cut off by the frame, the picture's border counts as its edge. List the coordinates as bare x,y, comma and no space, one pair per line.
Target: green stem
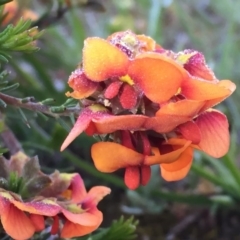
232,168
215,180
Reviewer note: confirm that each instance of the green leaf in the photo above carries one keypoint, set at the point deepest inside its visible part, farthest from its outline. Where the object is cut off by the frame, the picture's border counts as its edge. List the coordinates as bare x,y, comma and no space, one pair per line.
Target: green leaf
120,230
2,2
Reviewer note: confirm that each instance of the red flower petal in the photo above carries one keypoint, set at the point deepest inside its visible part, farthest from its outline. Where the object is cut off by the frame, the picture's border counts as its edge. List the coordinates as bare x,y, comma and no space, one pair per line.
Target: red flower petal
37,221
81,124
113,89
145,174
215,139
190,131
197,67
86,116
128,97
158,77
16,223
102,60
179,169
82,86
132,177
78,188
109,156
55,225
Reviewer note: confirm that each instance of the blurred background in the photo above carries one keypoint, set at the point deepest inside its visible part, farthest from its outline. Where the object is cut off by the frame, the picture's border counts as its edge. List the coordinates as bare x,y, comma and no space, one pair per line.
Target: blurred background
206,204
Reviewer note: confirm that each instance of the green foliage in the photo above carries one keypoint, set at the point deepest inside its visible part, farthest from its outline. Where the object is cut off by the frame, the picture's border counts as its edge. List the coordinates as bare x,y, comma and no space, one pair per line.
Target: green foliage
120,230
18,38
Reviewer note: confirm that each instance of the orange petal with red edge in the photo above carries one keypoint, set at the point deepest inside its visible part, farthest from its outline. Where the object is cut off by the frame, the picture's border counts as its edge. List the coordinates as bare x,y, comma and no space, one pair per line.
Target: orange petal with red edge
37,221
124,122
166,157
71,230
214,130
185,107
197,89
179,169
97,193
190,131
46,207
157,76
110,156
82,86
85,218
102,60
164,123
16,223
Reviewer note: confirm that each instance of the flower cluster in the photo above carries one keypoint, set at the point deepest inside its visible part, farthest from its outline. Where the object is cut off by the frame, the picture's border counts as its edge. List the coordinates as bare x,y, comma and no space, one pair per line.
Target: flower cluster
30,199
153,106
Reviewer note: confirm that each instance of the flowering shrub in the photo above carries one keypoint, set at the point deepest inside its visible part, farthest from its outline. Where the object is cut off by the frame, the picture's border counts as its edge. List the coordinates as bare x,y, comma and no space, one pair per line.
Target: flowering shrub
154,106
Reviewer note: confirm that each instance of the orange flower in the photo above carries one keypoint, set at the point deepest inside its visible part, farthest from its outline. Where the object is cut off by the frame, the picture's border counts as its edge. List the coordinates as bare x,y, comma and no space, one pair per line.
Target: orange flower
79,207
143,95
11,10
27,197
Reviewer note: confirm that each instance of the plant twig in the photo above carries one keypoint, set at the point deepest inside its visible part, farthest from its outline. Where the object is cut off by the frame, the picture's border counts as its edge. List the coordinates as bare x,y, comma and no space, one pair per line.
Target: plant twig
9,139
38,107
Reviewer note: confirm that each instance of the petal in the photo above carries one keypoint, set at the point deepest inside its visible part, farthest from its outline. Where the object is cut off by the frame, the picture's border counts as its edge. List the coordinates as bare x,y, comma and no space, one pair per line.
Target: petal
112,90
82,86
16,223
109,156
148,44
132,177
97,193
196,89
81,124
215,139
157,76
85,218
167,157
190,131
145,174
37,221
128,97
164,123
179,169
102,60
86,116
194,62
71,230
185,107
55,225
124,122
77,187
46,207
